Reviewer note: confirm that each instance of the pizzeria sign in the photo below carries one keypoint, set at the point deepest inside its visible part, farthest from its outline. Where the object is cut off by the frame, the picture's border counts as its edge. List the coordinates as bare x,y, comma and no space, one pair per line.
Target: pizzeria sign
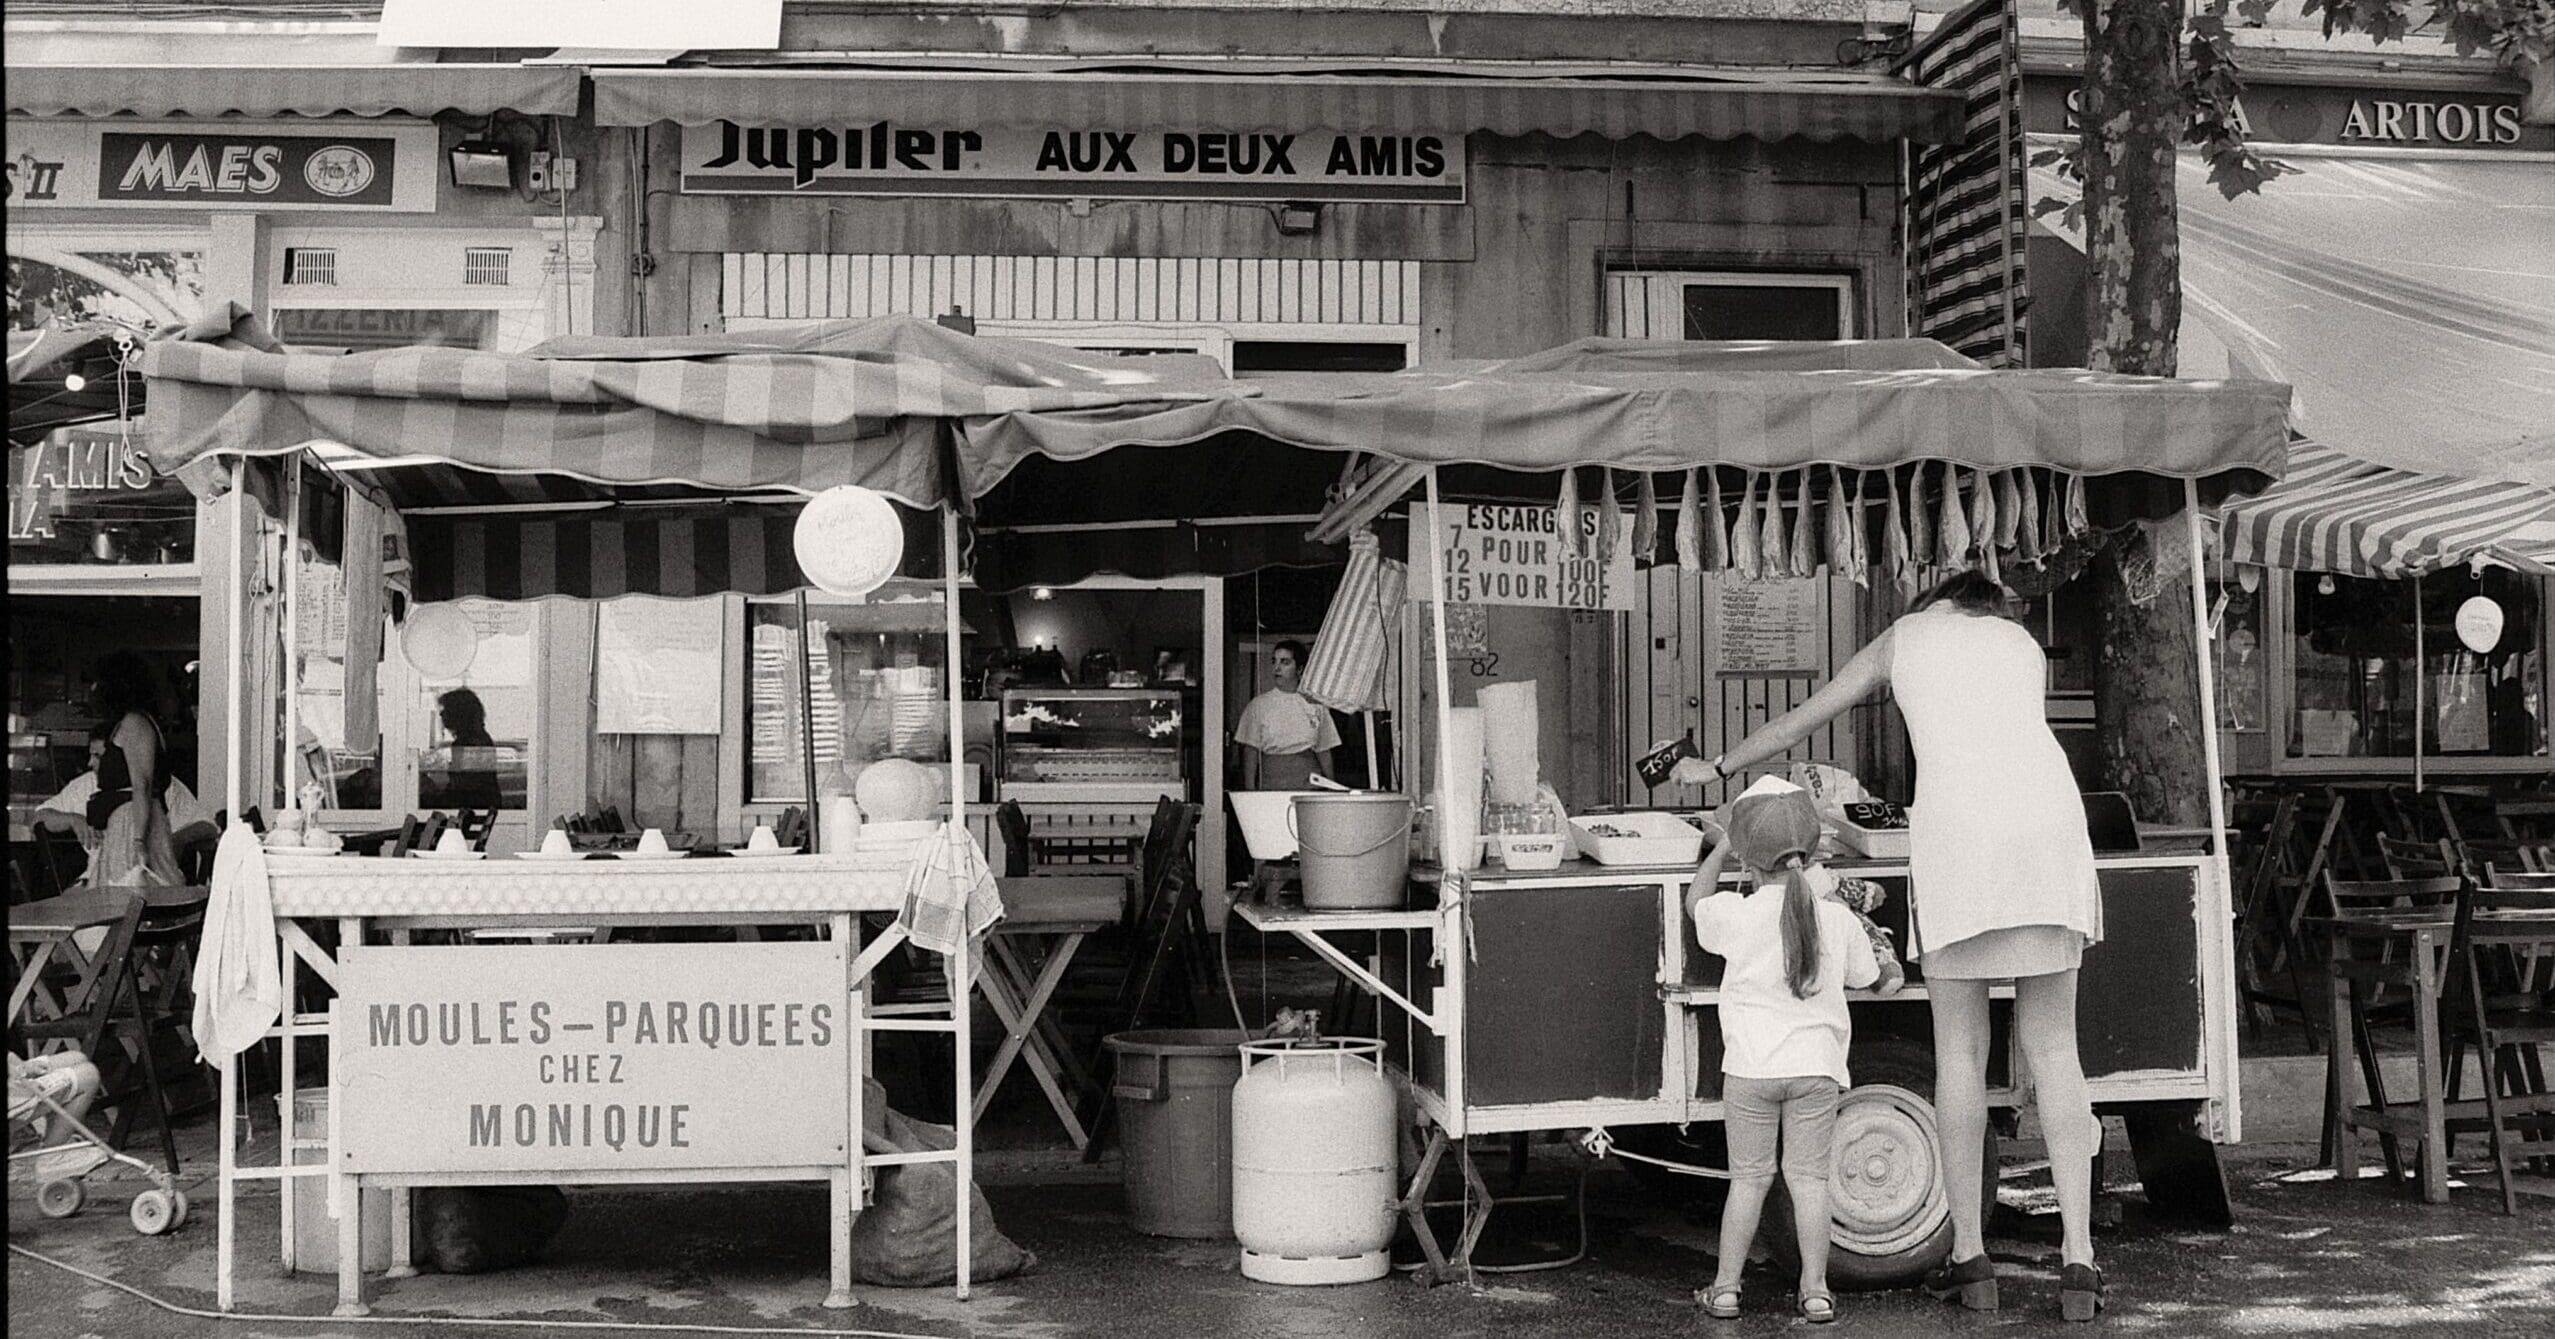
892,158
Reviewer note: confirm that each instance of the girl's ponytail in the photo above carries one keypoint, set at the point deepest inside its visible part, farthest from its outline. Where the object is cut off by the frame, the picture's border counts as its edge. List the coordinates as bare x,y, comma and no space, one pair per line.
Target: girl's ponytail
1800,929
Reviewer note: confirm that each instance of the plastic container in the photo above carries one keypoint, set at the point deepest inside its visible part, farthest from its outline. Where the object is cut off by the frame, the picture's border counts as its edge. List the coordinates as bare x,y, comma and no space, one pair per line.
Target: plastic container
1314,1166
1530,852
1355,849
1174,1088
1637,839
1268,821
1873,843
314,1229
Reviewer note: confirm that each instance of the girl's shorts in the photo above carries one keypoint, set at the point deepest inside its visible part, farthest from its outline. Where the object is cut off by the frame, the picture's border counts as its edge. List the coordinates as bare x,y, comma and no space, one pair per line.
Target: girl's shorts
1753,1110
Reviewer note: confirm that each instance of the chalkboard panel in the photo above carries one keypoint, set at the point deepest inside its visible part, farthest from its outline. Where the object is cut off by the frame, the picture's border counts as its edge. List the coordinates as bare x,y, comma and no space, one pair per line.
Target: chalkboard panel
1563,997
2138,996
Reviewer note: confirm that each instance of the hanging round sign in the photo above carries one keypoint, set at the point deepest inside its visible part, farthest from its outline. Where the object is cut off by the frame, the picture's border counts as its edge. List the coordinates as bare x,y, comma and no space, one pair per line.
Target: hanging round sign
2479,624
439,641
849,540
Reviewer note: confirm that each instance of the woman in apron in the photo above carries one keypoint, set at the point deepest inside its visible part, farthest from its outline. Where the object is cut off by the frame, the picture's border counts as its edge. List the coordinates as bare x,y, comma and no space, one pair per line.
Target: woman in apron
1286,738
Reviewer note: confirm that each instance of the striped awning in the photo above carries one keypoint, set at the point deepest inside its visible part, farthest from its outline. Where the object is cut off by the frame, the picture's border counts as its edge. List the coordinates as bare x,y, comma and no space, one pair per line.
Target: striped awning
1667,104
2336,514
294,90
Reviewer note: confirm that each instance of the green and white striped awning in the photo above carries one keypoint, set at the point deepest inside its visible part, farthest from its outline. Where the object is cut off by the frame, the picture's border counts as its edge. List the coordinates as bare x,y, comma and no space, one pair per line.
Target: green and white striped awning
2332,513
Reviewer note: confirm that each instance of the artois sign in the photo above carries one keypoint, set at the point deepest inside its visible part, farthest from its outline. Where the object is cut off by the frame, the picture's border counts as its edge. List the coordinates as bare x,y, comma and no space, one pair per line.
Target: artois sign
1097,162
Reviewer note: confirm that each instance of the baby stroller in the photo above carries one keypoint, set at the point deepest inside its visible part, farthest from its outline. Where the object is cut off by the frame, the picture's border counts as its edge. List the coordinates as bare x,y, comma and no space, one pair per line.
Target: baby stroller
38,1117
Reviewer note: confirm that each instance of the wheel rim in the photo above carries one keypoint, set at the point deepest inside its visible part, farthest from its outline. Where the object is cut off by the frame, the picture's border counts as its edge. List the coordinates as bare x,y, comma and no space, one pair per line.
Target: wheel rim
58,1199
151,1213
1885,1192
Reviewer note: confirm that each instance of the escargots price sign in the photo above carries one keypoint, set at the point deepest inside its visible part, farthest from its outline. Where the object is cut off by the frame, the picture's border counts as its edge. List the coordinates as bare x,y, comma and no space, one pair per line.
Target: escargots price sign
592,1057
1497,554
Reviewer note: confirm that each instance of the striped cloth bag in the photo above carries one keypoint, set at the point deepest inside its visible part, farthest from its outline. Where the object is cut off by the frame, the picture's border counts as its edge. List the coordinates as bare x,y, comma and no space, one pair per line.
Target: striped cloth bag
1346,672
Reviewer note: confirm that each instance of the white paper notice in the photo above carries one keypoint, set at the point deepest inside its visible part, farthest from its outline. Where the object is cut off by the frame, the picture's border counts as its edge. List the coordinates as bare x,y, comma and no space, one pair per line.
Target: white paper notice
1774,629
656,667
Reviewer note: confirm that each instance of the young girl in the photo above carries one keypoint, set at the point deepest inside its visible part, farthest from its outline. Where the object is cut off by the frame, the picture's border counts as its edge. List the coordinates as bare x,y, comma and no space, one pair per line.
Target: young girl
1791,952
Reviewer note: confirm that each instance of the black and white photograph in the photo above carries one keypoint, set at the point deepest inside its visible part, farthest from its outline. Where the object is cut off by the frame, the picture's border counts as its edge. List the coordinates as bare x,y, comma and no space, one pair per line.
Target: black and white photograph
1289,669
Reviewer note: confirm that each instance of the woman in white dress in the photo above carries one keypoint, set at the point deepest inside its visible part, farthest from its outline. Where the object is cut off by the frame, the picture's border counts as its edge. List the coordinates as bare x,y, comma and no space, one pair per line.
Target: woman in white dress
1286,738
2002,888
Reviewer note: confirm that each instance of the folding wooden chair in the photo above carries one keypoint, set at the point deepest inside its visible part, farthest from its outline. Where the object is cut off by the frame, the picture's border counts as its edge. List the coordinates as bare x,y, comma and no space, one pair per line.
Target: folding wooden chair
103,1006
2502,1002
1170,939
2416,858
2382,984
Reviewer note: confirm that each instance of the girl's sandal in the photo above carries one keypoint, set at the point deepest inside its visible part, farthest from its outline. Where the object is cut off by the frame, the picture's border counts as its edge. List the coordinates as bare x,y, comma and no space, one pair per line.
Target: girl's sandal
1972,1281
1818,1308
2080,1292
1719,1303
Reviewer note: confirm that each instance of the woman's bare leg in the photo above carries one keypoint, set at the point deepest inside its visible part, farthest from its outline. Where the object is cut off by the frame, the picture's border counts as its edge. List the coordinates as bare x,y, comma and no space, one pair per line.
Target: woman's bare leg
1960,1104
2045,1029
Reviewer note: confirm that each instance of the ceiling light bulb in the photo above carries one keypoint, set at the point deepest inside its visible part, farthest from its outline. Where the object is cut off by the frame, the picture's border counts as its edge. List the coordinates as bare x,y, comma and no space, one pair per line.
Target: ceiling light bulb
75,382
2325,586
1042,593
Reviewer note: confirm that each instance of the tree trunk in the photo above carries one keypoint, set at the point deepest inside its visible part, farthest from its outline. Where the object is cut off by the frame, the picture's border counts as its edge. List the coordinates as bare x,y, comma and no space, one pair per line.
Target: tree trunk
2147,714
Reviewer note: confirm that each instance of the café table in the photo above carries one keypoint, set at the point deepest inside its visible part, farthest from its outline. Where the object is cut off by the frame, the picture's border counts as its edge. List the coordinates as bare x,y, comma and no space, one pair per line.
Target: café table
2422,937
41,930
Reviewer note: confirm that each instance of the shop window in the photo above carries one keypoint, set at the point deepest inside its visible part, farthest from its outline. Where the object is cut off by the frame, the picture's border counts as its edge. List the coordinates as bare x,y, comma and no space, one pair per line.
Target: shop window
1730,305
492,265
310,265
2358,686
873,686
1252,356
473,731
137,281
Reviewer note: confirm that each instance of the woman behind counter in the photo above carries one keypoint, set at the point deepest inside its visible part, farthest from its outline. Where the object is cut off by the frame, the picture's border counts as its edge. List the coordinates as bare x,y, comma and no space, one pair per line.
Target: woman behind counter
1286,738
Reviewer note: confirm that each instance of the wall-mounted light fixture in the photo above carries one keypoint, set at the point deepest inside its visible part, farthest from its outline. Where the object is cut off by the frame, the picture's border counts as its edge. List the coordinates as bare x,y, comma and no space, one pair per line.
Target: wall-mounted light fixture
479,162
1296,218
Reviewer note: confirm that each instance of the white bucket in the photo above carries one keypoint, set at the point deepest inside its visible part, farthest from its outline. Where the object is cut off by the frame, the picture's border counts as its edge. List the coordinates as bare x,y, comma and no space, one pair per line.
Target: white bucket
1268,821
1355,847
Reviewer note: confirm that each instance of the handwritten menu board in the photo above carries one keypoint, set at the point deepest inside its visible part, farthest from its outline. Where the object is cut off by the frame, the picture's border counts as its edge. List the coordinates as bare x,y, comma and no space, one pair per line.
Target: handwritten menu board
1770,629
657,666
1514,555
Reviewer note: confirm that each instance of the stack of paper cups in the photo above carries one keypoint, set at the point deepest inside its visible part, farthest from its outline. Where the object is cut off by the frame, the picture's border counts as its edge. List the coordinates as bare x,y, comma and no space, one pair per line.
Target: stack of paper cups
1459,820
838,824
1509,741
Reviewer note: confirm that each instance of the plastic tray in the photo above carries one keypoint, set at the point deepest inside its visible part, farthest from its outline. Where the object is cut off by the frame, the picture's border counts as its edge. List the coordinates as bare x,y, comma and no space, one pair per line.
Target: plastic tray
1872,843
1659,839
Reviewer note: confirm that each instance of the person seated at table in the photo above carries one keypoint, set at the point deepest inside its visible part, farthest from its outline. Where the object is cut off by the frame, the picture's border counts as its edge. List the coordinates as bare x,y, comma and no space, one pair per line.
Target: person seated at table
1286,738
471,779
190,820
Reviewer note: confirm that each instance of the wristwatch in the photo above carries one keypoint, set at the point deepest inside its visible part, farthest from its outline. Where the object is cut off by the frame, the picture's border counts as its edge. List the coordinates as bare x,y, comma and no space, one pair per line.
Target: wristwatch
1719,773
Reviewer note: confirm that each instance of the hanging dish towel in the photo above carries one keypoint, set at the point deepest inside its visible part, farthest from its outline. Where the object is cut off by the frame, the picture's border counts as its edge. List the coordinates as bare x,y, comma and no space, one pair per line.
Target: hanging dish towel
950,894
239,986
1346,671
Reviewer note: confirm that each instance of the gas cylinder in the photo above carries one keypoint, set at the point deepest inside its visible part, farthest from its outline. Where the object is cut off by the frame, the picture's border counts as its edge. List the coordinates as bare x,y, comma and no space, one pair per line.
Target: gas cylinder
1313,1161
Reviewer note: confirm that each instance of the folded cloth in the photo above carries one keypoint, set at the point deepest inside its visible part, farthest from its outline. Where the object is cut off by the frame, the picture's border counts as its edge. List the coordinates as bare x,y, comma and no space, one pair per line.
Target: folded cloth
239,987
950,894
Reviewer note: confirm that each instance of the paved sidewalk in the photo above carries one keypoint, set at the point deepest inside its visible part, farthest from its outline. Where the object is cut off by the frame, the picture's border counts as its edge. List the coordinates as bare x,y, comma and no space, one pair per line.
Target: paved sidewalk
2307,1256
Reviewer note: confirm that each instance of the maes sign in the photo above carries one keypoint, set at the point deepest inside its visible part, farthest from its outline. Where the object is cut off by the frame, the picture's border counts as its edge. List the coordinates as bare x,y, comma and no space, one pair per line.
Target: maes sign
886,158
1497,554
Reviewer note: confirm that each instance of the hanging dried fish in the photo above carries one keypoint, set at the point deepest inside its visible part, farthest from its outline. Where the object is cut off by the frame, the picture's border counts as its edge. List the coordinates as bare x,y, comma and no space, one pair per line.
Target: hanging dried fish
1858,543
1690,526
1716,540
2053,534
1953,544
2027,518
1645,520
1566,512
1805,532
2009,509
1777,541
1840,549
1745,553
2077,525
1920,520
1986,518
1894,544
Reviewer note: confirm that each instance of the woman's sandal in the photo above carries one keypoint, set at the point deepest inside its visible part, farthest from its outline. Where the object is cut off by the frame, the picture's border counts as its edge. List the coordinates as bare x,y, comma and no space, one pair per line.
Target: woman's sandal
1972,1281
2080,1292
1719,1303
1818,1308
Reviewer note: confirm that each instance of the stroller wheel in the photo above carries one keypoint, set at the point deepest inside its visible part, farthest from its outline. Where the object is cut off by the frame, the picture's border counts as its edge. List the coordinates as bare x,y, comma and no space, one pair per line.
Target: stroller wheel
60,1199
177,1198
153,1213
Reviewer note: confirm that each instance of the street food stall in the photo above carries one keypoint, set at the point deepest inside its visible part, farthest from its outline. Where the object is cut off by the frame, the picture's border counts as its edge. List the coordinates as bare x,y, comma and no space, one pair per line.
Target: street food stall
1562,999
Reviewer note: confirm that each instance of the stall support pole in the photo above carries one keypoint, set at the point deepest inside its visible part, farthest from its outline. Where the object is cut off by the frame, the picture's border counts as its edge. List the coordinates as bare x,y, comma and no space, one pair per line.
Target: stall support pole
2223,970
1452,865
962,985
2421,672
807,727
234,786
290,633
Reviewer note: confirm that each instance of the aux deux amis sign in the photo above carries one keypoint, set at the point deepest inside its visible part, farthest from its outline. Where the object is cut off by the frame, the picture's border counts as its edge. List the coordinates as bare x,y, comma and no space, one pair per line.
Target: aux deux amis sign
884,158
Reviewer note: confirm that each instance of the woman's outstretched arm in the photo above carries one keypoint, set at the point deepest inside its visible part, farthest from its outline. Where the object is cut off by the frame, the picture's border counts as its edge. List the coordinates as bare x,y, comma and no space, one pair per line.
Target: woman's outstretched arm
1858,678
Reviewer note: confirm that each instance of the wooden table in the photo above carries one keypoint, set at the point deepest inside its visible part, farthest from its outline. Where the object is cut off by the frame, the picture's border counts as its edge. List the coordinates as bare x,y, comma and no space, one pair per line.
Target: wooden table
2424,936
39,930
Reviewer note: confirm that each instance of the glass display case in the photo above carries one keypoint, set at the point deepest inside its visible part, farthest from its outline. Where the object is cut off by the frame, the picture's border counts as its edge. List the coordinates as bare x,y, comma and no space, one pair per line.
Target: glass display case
1094,744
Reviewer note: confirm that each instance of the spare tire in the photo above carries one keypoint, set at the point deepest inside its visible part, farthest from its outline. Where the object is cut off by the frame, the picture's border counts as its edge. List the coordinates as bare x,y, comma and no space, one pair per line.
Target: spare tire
1889,1210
